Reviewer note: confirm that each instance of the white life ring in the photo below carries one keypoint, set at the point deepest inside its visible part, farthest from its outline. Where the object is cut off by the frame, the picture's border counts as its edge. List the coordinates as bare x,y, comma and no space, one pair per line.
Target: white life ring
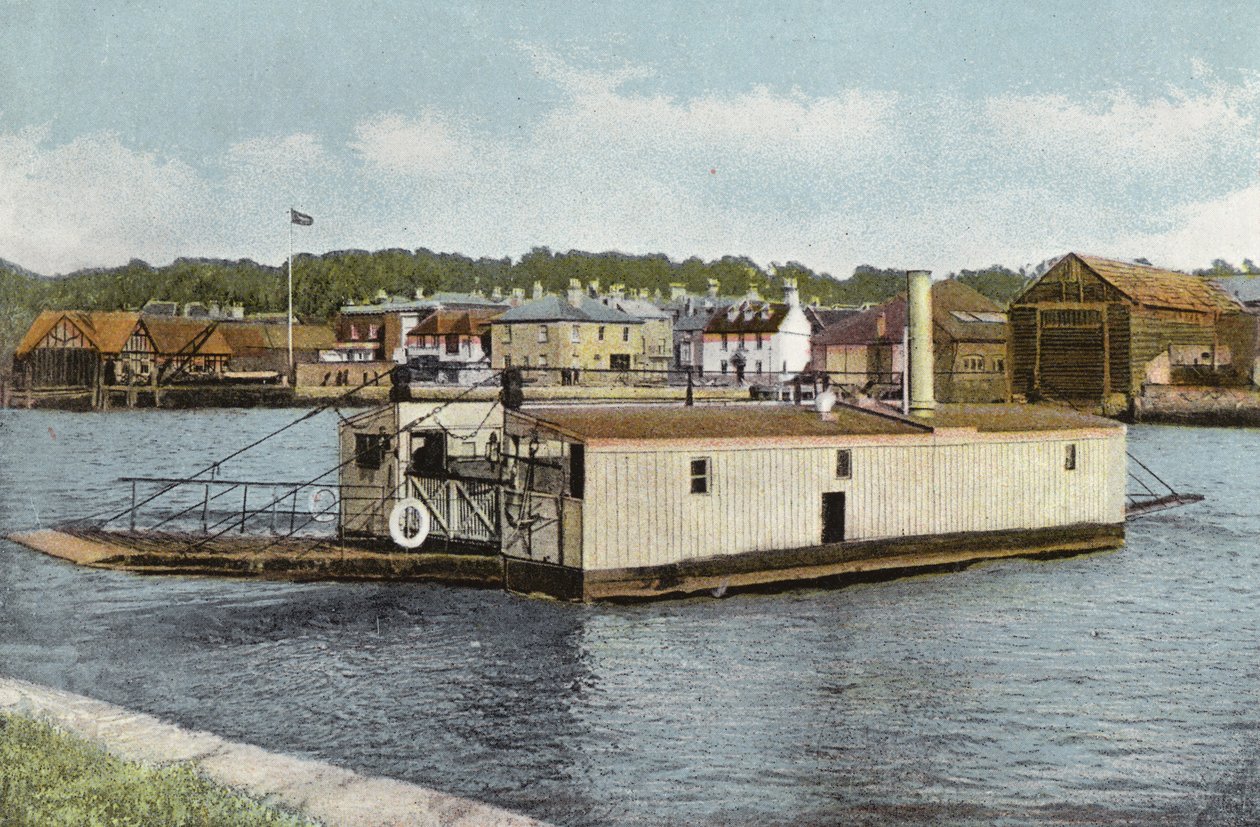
322,505
409,522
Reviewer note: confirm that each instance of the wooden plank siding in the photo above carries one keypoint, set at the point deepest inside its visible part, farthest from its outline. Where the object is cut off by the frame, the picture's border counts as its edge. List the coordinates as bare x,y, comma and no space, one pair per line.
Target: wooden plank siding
1152,335
639,510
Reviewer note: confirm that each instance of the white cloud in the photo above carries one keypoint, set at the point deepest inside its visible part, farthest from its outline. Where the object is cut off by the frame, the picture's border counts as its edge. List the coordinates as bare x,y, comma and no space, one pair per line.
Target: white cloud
856,176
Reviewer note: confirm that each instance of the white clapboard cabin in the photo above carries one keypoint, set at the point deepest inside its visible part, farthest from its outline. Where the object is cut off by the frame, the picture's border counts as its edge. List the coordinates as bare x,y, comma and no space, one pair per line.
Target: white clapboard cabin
653,500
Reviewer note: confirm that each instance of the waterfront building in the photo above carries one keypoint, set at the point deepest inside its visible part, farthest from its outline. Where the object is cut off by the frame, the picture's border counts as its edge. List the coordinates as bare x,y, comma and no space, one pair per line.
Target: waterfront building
866,352
758,340
573,333
452,345
1098,330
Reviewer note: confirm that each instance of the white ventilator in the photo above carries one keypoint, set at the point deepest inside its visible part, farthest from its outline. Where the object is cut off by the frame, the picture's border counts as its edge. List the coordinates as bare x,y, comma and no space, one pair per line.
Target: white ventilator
409,522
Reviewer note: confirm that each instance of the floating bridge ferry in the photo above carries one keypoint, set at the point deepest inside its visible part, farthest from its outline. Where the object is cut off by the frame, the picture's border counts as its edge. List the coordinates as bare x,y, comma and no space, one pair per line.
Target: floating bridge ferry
593,501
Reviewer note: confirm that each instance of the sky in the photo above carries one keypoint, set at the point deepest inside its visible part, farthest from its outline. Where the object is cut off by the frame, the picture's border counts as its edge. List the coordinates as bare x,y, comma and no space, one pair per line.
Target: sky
899,134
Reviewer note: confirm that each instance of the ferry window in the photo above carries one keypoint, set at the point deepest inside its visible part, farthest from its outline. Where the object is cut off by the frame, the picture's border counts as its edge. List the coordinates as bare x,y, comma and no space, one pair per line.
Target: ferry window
844,464
700,475
369,450
1069,457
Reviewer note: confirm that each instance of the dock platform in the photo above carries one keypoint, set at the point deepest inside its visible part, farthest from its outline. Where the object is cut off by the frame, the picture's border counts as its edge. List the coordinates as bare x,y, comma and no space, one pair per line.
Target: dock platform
263,557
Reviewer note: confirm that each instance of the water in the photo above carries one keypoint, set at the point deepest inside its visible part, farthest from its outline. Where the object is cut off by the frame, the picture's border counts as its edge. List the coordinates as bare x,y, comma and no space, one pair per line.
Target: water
1116,688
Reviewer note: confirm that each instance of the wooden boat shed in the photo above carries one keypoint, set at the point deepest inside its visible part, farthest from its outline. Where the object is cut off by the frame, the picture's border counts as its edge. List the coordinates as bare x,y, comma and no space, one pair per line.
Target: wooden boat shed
1095,329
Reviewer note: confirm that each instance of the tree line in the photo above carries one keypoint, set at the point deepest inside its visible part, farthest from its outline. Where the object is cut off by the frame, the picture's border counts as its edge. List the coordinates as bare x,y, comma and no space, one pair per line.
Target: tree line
323,283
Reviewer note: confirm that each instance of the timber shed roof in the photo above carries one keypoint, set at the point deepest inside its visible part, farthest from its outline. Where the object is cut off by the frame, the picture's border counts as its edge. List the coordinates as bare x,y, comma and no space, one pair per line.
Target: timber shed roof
171,335
107,330
1155,287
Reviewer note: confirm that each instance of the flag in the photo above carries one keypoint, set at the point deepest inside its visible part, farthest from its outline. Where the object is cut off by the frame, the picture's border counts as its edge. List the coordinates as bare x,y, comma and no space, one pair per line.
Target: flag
300,218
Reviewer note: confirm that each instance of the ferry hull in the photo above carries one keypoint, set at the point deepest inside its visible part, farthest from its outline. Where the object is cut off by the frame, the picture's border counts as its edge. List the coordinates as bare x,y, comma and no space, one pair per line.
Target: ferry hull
848,560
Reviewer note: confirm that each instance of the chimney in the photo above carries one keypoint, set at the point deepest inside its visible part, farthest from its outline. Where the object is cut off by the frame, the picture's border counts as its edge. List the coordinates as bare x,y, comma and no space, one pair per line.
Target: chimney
592,288
382,297
538,291
575,293
518,296
790,294
497,293
920,360
714,286
419,294
617,292
236,311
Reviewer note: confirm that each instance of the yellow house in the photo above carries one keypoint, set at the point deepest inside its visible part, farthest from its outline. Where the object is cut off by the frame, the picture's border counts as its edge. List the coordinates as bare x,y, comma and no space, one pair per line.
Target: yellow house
551,334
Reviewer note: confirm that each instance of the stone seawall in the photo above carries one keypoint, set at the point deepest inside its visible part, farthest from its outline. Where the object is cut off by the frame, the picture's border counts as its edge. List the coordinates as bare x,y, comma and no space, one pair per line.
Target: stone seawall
329,794
1198,406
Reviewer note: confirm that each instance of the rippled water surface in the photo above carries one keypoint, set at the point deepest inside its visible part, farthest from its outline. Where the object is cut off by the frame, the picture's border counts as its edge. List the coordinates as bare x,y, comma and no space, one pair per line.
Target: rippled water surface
1110,688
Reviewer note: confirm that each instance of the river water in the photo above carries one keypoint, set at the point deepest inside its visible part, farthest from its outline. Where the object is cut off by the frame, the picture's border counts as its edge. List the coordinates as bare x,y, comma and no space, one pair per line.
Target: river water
1113,688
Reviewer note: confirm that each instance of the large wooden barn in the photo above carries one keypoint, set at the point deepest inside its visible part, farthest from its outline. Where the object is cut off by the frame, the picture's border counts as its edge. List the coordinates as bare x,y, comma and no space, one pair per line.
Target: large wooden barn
1096,330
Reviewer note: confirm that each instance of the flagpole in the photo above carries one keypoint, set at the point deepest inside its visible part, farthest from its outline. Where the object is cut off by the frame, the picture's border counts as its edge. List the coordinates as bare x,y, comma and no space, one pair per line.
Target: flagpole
290,319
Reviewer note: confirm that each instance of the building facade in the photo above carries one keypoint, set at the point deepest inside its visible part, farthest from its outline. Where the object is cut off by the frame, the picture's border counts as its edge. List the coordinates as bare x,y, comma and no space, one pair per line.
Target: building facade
758,340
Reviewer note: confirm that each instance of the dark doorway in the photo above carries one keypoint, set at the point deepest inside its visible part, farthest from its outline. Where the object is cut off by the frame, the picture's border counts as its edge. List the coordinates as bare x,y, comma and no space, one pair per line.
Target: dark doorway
428,453
833,517
577,471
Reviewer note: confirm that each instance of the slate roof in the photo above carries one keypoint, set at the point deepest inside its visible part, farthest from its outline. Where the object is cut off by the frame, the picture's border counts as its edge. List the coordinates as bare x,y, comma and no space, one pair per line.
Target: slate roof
1154,287
760,321
1244,288
954,312
556,309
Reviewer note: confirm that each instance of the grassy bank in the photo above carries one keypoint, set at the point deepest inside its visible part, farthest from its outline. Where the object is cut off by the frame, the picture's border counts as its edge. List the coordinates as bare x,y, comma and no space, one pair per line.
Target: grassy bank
51,779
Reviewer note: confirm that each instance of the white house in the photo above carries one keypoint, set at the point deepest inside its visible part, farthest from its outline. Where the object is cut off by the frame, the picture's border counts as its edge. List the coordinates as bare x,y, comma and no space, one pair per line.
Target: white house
769,341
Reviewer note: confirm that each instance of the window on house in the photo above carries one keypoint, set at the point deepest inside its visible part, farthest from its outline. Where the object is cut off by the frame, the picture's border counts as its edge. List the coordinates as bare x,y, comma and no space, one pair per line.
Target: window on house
999,365
625,334
619,361
973,363
844,464
700,476
601,333
370,450
758,366
373,330
507,334
759,343
1069,457
542,361
452,343
507,361
354,333
725,343
575,335
723,366
542,333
